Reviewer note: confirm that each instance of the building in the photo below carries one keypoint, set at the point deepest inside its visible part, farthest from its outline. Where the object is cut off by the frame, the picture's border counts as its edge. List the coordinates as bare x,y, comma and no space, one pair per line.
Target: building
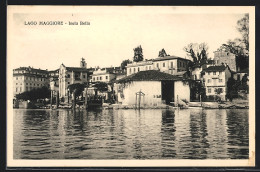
196,73
168,64
215,80
156,88
54,80
223,57
71,75
135,67
171,64
28,78
104,74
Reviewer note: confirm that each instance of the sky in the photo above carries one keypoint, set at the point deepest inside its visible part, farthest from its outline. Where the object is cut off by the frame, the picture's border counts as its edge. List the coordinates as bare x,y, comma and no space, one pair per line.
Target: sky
113,33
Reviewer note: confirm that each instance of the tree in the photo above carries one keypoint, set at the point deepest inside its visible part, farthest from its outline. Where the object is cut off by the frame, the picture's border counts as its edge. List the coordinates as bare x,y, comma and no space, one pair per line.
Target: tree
35,94
138,54
124,63
101,86
232,88
239,46
77,89
162,53
198,52
243,28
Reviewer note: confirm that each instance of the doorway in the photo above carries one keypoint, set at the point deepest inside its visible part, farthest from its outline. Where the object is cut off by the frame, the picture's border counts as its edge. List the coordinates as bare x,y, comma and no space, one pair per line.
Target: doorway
167,91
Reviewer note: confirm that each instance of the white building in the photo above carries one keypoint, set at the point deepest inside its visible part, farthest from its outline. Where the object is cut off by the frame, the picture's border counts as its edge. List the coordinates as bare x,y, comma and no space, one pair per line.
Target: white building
71,75
157,88
168,64
28,78
103,75
215,79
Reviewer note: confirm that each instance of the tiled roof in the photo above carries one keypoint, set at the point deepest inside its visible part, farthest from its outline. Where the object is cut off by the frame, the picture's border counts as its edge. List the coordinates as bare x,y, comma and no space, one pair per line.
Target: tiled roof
169,58
77,69
54,71
150,75
215,68
31,69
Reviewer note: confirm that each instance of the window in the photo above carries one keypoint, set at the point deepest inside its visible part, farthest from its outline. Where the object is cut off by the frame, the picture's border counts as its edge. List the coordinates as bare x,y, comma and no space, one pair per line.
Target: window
209,80
16,89
130,70
220,73
214,73
163,64
106,77
38,85
158,65
84,76
101,78
68,82
171,64
220,80
149,67
138,69
16,83
68,75
16,78
209,90
97,78
93,78
26,83
208,73
41,79
134,70
34,84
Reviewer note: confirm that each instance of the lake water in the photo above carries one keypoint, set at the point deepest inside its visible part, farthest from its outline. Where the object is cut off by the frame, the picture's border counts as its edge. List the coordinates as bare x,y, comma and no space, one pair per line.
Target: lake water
131,134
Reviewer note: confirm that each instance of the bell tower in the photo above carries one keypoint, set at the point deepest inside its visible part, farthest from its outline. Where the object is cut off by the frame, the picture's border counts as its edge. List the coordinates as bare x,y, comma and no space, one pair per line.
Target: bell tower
83,63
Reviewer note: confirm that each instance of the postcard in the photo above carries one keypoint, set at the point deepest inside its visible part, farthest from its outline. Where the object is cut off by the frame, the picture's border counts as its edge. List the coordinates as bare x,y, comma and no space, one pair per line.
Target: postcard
130,86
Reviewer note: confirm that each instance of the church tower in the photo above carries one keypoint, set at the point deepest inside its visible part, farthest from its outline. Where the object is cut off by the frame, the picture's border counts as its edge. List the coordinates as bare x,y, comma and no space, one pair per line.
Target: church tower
83,63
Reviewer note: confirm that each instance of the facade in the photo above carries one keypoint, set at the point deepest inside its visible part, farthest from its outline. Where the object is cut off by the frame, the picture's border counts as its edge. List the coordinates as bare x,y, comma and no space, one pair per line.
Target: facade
222,57
168,64
103,75
215,80
171,64
156,88
197,71
139,66
71,75
28,78
54,80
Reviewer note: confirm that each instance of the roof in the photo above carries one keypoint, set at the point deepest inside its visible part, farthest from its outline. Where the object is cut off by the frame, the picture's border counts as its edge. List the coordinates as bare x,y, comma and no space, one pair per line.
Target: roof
77,69
54,71
31,69
215,68
169,58
150,75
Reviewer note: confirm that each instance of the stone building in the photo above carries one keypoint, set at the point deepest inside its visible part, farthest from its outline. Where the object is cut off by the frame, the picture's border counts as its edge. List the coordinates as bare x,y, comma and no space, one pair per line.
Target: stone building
223,57
28,78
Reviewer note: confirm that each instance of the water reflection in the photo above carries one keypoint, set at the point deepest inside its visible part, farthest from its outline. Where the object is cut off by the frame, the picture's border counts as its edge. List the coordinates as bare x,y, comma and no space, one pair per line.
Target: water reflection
131,134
